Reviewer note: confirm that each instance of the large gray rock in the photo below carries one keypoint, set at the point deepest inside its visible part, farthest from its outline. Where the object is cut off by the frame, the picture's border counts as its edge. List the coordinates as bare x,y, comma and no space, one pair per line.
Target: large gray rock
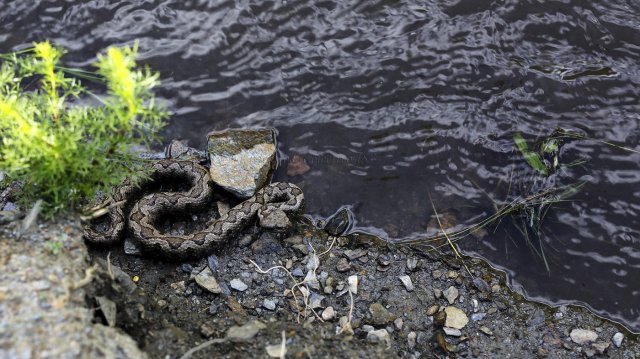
44,312
242,161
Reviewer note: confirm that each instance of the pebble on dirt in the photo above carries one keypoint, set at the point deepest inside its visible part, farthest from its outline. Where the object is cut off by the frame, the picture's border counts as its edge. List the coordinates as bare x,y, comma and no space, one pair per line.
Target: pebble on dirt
456,318
380,315
208,281
451,294
238,285
617,339
582,336
406,280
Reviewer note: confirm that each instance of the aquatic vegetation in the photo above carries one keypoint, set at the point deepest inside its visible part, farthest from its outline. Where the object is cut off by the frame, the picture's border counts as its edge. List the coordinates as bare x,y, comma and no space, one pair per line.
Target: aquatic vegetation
55,141
532,158
525,207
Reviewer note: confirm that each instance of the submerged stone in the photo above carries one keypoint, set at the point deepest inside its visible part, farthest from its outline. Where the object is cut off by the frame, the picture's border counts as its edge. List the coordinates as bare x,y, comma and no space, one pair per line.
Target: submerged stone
242,160
340,222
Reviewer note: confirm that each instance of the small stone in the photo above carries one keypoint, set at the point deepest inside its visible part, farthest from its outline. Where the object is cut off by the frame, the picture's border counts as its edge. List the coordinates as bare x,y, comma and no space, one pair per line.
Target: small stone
343,265
406,280
344,326
352,280
411,340
486,330
451,294
328,289
161,303
476,305
208,281
542,353
481,285
412,264
437,293
582,336
383,260
186,267
328,313
367,328
354,254
398,323
297,166
551,340
495,288
238,285
270,304
433,309
379,336
245,332
206,330
456,318
380,315
477,316
600,347
617,339
315,301
288,264
297,272
213,262
452,332
179,287
108,308
275,219
235,306
132,248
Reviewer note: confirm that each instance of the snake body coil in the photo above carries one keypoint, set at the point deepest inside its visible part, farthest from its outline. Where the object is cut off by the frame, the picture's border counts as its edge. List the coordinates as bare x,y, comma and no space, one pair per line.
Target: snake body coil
138,217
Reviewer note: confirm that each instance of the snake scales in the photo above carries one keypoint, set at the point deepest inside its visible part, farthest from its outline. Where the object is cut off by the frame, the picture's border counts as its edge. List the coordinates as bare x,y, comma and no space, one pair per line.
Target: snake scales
138,217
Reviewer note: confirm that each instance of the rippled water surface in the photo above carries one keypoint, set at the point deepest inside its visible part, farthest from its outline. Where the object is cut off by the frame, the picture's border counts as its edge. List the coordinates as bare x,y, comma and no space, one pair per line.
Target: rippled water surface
391,102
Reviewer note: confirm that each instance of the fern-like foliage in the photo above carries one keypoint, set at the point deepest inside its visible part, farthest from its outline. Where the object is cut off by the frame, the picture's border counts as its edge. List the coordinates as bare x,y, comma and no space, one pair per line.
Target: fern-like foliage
62,142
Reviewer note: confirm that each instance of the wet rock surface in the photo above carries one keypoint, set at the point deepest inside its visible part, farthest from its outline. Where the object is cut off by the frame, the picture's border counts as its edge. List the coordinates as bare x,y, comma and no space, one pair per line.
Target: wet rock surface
242,160
242,299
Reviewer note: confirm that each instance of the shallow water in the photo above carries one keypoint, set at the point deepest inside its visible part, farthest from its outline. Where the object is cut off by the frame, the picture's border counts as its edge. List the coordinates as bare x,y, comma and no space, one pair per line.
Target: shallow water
395,102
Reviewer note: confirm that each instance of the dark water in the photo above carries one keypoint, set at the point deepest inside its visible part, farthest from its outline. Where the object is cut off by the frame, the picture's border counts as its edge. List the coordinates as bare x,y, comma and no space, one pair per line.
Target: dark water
392,101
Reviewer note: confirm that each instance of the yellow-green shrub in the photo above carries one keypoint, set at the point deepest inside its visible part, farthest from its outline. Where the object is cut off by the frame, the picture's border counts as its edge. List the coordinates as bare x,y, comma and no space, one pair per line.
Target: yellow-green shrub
59,146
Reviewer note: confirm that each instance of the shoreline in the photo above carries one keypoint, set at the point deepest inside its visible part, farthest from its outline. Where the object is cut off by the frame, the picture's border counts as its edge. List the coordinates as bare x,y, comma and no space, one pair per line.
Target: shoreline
404,305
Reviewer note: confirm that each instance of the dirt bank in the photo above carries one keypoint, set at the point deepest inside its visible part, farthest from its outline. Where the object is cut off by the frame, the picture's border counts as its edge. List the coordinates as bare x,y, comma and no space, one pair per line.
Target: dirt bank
405,304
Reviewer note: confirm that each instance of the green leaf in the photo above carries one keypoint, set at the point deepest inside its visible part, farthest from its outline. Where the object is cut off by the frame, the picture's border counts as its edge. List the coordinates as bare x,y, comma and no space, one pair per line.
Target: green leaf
531,157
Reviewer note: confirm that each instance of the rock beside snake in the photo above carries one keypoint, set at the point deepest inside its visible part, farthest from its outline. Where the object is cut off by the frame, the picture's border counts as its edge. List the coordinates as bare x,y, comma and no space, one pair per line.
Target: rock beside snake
136,212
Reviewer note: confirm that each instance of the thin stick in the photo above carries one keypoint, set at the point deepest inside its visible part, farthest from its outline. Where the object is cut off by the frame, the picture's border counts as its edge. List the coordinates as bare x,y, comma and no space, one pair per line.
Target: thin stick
447,236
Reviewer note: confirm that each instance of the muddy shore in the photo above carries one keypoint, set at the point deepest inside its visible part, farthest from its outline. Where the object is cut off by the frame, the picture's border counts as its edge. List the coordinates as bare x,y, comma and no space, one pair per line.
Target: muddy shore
406,303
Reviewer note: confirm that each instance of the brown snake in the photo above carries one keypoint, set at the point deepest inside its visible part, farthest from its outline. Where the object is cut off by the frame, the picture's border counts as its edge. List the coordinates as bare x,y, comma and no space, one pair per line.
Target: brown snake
138,217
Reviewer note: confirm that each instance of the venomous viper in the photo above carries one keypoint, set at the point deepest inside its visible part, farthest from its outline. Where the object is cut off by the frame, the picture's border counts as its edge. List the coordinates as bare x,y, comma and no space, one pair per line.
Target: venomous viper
138,217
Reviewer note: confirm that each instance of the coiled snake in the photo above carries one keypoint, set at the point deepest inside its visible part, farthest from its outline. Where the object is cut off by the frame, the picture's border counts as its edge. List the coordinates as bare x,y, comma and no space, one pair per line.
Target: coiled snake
138,217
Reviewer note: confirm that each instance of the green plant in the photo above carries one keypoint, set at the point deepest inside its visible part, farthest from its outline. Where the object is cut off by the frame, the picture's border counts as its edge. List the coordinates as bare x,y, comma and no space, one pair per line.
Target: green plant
55,245
54,142
532,158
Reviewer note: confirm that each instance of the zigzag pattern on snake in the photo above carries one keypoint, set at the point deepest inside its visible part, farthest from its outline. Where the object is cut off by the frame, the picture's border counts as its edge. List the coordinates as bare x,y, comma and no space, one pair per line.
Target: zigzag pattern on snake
138,217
